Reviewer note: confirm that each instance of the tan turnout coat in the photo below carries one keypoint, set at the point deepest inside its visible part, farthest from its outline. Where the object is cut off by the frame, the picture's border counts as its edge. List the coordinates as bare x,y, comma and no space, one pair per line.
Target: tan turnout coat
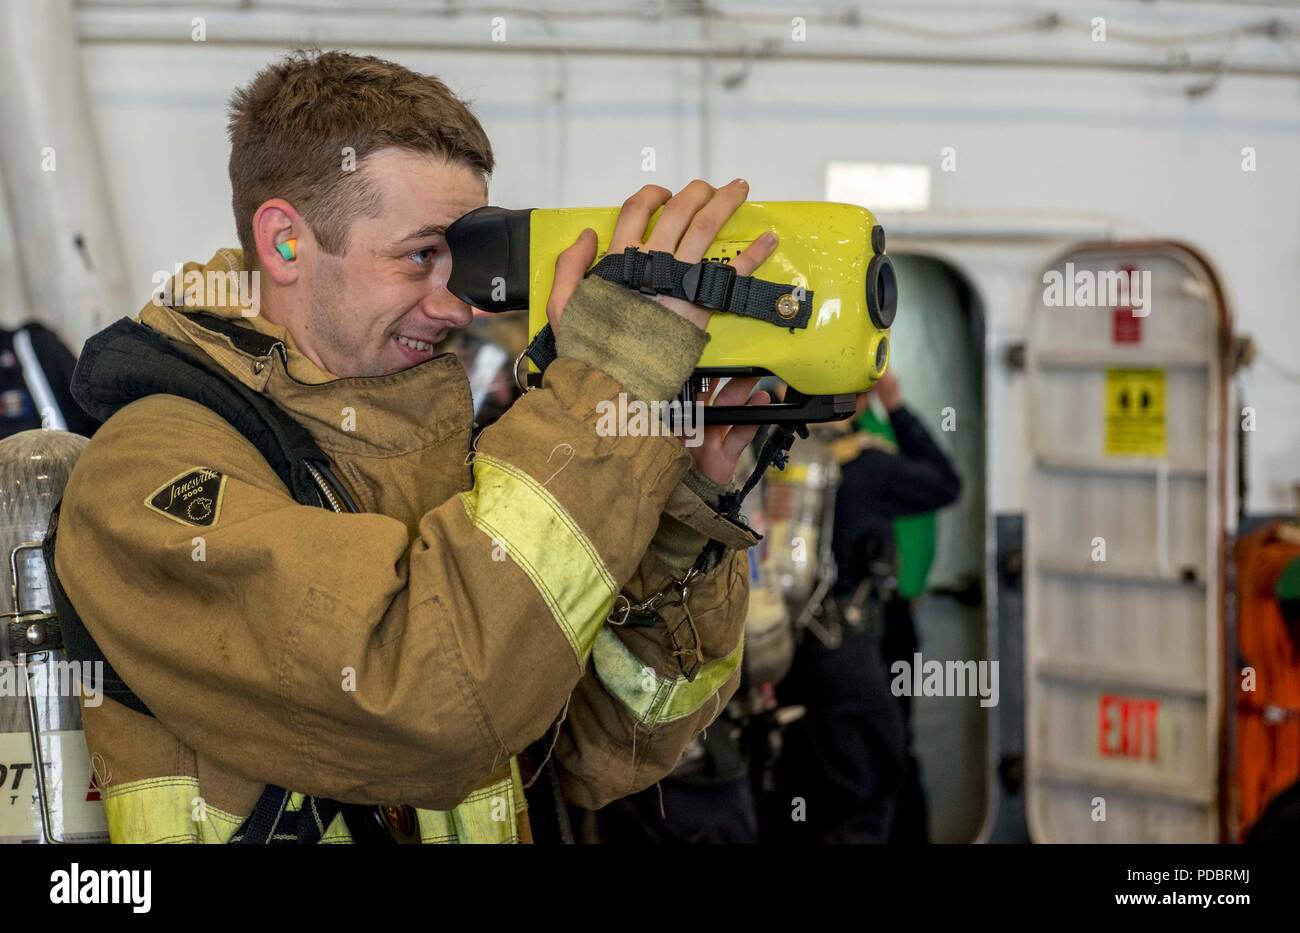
407,654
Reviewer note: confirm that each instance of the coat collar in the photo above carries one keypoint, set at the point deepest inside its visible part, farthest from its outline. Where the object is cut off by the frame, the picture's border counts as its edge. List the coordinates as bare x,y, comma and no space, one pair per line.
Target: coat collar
367,415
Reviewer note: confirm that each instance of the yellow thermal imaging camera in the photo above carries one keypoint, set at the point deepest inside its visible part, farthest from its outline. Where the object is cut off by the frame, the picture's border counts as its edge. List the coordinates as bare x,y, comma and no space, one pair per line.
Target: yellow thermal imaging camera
816,314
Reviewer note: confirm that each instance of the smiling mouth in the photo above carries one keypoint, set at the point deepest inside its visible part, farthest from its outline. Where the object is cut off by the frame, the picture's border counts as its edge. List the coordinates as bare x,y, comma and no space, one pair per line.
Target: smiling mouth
412,343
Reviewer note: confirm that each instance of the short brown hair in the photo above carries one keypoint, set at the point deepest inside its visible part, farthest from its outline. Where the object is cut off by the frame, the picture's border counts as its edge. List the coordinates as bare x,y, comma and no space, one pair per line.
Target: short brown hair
291,126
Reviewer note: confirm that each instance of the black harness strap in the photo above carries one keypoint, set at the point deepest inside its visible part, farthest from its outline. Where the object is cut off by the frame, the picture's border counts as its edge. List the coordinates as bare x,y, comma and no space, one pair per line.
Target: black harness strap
273,823
128,361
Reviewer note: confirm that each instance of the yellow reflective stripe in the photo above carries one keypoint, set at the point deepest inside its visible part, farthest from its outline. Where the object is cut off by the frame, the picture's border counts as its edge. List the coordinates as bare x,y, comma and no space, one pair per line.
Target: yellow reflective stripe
165,809
651,698
171,810
489,815
512,508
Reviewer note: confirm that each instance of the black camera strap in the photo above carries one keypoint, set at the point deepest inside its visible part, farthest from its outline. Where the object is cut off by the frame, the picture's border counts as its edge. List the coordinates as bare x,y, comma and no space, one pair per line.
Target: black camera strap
712,285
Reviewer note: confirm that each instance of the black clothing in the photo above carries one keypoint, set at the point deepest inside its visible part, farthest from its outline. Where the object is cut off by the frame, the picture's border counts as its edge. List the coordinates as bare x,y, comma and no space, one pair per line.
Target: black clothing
19,408
707,798
853,747
877,487
844,757
692,813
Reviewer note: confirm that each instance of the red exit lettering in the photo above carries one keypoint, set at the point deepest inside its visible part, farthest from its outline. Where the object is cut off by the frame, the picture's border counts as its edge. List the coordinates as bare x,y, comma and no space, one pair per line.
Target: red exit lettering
1126,727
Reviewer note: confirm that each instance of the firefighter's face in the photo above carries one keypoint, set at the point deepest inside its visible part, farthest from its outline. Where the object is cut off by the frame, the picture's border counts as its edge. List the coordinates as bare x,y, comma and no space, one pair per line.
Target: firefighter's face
383,305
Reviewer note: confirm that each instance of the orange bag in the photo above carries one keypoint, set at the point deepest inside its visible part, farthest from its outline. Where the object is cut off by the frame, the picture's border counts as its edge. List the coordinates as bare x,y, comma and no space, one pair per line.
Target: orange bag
1268,717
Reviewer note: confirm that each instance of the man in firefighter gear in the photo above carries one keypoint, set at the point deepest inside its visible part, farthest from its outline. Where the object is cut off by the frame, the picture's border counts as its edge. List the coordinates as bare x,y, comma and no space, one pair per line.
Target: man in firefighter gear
407,654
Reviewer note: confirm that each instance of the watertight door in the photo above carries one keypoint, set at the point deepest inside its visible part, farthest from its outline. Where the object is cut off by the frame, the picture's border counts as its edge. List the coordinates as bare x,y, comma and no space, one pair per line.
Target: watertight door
1128,436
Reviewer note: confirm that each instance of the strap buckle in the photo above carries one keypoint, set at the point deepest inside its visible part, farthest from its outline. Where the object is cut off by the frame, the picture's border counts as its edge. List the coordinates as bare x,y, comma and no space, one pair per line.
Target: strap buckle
694,277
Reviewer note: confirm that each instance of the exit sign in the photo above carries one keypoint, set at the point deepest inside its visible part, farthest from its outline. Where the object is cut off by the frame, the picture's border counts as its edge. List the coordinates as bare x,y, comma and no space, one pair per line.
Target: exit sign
1127,727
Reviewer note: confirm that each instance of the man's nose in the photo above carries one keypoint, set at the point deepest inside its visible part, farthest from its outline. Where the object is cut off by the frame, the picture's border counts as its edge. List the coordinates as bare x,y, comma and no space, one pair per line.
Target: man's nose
442,305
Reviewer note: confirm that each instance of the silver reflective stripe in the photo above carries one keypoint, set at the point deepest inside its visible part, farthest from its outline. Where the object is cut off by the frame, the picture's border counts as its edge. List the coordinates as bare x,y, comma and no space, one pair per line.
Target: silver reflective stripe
37,384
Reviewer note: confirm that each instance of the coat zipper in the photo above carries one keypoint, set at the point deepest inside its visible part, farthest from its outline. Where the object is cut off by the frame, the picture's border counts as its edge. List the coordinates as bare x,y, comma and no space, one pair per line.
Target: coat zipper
326,491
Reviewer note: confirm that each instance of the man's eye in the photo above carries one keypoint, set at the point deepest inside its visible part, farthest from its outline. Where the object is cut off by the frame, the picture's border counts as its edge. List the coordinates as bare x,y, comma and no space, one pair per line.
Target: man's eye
423,256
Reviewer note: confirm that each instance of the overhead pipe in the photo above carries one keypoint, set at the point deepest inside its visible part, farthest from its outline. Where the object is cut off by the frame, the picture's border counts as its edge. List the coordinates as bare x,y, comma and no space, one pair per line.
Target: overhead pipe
256,28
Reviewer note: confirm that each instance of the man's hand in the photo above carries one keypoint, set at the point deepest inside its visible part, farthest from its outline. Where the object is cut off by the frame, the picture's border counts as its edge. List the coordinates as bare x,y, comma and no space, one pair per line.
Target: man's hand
686,228
717,456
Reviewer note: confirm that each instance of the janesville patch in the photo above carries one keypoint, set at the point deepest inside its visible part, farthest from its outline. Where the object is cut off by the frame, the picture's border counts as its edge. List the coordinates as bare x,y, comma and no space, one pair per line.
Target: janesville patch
193,498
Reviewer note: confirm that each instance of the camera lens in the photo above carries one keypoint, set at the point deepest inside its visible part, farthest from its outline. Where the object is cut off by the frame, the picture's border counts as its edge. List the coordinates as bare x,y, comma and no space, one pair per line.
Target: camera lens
882,292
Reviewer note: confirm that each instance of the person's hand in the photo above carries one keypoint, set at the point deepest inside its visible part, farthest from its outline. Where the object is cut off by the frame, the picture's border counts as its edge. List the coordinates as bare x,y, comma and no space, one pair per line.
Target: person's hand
889,391
686,228
717,455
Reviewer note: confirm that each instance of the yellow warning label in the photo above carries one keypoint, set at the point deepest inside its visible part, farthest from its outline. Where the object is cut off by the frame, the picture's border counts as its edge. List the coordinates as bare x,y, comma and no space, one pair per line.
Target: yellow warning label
1135,412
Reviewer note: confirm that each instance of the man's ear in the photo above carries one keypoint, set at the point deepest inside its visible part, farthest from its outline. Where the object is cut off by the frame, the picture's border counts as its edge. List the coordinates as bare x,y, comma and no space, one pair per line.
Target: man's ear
275,224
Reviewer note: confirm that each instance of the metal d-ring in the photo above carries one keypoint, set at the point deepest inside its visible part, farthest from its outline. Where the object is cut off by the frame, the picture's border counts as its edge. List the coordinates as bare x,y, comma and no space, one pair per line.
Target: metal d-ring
521,386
